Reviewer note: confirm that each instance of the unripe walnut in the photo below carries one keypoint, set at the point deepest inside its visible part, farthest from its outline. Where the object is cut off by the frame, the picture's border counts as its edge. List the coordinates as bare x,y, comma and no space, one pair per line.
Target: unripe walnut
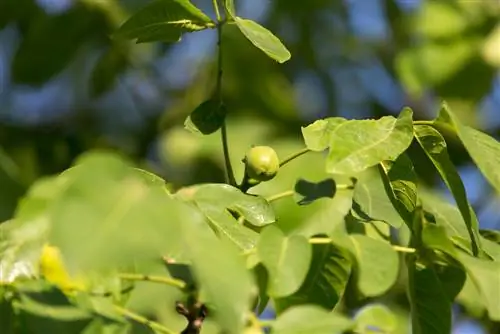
262,163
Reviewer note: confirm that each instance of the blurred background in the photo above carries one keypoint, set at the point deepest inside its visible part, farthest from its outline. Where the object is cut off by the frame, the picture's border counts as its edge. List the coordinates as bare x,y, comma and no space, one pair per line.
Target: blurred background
66,87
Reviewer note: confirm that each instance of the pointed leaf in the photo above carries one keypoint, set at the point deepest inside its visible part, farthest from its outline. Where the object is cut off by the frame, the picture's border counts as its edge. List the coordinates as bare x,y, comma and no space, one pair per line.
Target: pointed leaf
326,279
484,150
164,20
287,259
435,147
357,145
377,264
307,319
317,135
263,39
207,118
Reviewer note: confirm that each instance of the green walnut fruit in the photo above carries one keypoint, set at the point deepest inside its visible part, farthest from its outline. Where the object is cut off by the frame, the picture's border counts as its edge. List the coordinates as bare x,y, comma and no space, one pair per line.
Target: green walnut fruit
261,163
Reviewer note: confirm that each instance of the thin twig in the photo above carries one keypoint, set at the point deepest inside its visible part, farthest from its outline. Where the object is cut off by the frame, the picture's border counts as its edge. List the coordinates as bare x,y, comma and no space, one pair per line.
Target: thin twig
218,90
293,156
280,195
324,241
156,279
143,320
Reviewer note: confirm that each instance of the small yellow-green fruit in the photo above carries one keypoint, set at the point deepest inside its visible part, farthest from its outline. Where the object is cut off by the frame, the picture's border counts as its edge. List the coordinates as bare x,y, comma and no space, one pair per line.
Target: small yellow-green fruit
52,268
262,163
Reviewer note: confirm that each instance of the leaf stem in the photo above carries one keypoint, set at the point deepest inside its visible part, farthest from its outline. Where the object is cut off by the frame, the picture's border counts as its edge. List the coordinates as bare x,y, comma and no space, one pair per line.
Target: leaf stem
293,156
323,241
143,320
403,249
218,92
155,279
280,195
216,9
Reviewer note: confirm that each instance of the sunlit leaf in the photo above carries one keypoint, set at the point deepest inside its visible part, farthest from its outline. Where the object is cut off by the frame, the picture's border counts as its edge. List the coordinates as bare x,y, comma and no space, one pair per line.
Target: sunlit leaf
435,147
287,259
105,195
486,277
307,319
377,264
217,200
255,209
484,149
357,145
375,318
263,39
317,134
371,202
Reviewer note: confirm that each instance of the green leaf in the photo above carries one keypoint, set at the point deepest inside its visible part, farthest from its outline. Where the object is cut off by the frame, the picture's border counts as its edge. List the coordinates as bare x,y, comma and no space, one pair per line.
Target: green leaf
375,318
452,278
326,279
430,306
435,237
377,264
107,69
307,192
287,259
306,319
448,216
371,202
317,135
446,265
399,180
357,145
486,277
483,149
329,218
217,201
135,220
164,20
434,146
207,118
22,239
221,273
263,39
